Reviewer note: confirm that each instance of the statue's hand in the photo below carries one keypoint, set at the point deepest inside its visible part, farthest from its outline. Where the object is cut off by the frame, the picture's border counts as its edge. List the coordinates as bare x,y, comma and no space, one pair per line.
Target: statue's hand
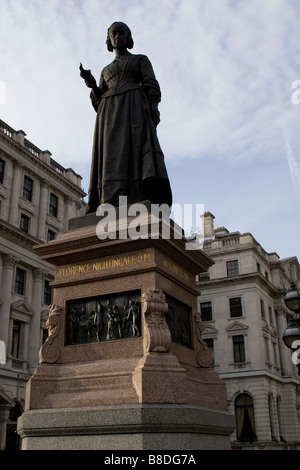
155,114
90,82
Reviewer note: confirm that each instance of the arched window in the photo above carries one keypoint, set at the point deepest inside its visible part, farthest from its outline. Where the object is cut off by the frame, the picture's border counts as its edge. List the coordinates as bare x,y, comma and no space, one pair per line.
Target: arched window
273,417
244,414
12,438
280,419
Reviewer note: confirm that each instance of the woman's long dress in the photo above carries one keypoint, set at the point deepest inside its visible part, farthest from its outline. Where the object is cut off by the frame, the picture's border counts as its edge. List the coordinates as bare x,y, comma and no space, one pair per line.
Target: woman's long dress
127,159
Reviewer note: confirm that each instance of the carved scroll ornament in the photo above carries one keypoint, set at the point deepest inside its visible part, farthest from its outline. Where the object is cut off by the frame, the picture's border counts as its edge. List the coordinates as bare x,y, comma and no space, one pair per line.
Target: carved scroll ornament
50,350
204,356
157,333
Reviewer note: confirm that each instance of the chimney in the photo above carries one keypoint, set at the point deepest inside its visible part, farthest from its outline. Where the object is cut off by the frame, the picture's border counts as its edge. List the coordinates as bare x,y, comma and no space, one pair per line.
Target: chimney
208,223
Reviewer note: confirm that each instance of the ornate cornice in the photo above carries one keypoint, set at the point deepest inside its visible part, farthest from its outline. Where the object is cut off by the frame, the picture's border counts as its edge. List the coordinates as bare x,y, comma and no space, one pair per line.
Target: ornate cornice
241,279
38,163
12,232
39,274
9,260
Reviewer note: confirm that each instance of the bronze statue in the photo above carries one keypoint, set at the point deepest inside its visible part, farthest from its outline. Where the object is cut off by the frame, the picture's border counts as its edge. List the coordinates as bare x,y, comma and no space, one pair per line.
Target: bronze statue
127,158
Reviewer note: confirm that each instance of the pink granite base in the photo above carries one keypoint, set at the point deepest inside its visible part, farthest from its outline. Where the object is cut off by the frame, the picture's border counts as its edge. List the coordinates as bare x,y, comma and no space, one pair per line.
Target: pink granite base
151,368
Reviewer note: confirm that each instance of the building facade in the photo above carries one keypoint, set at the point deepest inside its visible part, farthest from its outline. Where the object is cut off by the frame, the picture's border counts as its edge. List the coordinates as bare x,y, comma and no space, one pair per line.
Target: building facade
242,304
37,197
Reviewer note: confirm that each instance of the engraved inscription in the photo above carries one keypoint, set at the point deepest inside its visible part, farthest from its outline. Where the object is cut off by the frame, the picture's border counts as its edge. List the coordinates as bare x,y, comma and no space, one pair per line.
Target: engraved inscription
103,318
176,269
103,265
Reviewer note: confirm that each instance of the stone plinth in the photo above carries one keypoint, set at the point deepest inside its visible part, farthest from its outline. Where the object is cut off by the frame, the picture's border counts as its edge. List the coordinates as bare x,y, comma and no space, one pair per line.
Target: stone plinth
126,427
124,331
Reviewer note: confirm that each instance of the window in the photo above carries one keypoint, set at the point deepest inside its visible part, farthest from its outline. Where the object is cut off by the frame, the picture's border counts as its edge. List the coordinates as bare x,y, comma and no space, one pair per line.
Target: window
24,223
271,316
232,268
275,354
258,267
2,165
267,348
47,292
210,344
244,415
206,311
27,188
20,281
280,418
272,416
53,205
262,309
12,441
238,348
50,235
16,338
44,335
235,307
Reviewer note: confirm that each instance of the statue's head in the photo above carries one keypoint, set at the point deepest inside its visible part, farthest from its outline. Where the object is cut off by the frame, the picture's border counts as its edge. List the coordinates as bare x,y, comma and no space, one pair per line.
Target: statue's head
119,24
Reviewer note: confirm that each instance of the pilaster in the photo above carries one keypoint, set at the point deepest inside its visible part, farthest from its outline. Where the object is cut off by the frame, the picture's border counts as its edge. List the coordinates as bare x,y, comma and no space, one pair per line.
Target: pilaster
9,262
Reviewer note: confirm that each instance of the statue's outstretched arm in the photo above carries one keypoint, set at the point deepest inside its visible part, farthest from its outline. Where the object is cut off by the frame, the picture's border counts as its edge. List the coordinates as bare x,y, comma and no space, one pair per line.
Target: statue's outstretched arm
88,77
90,82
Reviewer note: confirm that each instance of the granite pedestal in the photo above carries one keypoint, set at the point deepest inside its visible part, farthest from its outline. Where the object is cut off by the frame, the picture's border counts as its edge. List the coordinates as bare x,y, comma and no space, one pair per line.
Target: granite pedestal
124,365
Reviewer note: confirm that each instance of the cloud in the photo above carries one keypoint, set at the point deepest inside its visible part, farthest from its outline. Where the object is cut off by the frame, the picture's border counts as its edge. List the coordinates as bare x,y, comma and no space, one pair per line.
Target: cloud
225,69
215,62
293,164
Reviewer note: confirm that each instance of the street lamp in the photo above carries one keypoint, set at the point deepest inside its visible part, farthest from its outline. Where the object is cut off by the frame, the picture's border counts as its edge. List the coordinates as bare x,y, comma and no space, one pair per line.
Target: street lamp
292,332
292,299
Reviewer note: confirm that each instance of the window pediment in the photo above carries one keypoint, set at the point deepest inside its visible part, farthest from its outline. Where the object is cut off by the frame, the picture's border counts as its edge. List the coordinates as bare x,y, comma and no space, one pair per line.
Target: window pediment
209,331
265,327
5,399
237,327
20,309
27,206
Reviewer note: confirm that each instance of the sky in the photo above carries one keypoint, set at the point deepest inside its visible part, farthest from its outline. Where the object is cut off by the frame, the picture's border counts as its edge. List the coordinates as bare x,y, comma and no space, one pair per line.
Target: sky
230,111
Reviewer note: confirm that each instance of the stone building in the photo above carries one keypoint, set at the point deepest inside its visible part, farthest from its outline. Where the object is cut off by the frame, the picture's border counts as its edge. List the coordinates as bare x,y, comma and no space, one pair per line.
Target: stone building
242,303
37,197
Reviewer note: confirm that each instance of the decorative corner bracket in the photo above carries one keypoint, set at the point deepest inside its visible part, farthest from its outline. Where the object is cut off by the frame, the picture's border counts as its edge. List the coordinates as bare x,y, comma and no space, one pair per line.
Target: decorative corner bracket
157,334
50,350
204,356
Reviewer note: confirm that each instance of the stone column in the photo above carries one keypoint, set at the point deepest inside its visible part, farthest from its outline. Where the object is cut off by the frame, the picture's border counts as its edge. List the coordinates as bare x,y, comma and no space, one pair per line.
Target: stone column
69,213
285,353
9,262
78,209
4,415
15,194
25,345
41,232
35,324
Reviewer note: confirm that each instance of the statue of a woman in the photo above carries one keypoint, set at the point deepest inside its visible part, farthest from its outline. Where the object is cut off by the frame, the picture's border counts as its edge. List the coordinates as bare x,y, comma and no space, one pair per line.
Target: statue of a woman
127,159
